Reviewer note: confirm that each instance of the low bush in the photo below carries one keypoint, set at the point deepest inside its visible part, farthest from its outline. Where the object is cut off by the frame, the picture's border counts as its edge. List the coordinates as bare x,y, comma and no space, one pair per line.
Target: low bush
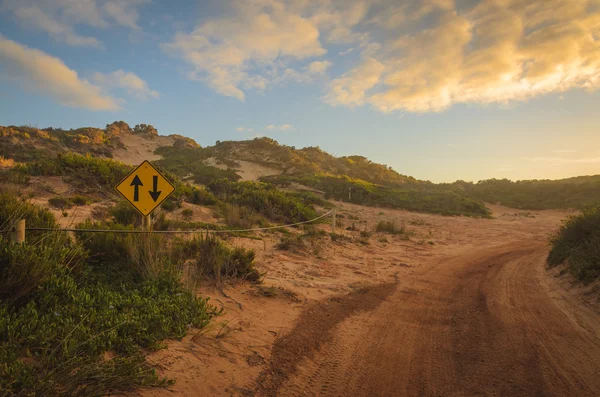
390,227
60,202
80,200
187,214
577,243
134,256
211,257
170,205
71,323
125,214
240,217
56,344
293,242
13,208
263,198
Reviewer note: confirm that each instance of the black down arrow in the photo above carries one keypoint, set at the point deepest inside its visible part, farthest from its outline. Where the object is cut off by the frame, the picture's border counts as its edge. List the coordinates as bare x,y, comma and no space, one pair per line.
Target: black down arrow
155,194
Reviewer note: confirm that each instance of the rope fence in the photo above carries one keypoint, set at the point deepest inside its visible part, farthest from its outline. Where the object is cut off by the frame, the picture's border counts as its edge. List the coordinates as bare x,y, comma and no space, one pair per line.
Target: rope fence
19,228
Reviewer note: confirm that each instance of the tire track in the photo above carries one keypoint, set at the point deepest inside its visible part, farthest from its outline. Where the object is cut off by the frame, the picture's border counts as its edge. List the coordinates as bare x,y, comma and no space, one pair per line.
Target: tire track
481,324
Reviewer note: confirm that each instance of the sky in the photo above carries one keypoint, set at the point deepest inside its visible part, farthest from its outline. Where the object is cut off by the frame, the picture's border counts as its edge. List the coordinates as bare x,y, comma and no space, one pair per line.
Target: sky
437,89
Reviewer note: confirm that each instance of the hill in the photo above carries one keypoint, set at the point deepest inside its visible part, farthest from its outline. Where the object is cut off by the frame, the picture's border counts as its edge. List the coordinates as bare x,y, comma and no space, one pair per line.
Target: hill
349,178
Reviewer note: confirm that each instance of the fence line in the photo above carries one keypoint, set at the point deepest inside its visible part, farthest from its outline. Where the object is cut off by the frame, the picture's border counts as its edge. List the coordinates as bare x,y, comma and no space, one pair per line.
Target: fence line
182,231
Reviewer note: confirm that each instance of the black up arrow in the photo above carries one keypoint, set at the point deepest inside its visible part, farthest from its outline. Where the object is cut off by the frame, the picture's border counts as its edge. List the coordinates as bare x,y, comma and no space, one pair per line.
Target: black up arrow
155,194
136,183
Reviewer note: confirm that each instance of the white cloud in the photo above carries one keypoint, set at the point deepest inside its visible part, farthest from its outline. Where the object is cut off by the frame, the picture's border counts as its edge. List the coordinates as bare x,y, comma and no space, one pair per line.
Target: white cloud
283,127
350,89
247,49
60,18
244,129
499,51
34,16
39,72
124,12
131,82
415,55
318,67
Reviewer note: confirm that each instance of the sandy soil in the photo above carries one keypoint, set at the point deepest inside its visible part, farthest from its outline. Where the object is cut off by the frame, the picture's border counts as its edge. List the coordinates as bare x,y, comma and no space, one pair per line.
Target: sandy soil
247,170
466,307
139,148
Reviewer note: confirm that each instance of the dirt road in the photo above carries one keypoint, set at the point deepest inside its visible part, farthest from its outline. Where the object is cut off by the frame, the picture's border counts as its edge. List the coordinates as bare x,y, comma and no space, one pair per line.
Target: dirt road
489,322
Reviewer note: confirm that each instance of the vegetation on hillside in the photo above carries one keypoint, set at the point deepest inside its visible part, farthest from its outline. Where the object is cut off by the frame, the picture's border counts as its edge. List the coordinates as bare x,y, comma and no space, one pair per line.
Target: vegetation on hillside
579,192
265,199
423,198
187,162
76,316
577,244
74,323
18,142
367,182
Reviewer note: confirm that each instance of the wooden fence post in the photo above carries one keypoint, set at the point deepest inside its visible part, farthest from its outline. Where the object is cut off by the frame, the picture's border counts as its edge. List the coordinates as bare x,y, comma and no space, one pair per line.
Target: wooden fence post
333,220
18,235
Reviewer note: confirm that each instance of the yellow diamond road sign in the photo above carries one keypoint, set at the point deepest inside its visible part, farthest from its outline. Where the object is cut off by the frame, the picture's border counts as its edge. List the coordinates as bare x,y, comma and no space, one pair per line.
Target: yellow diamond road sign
145,188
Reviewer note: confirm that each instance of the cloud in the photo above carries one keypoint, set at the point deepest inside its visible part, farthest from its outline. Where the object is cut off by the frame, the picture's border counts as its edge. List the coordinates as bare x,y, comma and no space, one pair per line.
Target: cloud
413,55
124,12
318,67
350,89
59,18
283,127
36,17
132,83
244,129
433,57
247,49
39,72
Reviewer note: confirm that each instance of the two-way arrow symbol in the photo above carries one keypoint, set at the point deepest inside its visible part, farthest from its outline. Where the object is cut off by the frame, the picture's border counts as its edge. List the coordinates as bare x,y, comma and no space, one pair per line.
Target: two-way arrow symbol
137,182
155,194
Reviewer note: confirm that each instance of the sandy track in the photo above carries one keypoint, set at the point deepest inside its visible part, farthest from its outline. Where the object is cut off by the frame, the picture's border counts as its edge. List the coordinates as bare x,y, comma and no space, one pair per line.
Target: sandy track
484,323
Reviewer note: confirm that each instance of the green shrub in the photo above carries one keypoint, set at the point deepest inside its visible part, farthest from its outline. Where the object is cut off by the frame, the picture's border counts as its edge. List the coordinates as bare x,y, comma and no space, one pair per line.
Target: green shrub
263,198
83,171
413,195
365,234
201,196
170,205
578,243
240,217
24,267
390,227
77,325
125,214
68,326
13,208
80,200
211,257
578,192
135,256
60,202
292,242
187,214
